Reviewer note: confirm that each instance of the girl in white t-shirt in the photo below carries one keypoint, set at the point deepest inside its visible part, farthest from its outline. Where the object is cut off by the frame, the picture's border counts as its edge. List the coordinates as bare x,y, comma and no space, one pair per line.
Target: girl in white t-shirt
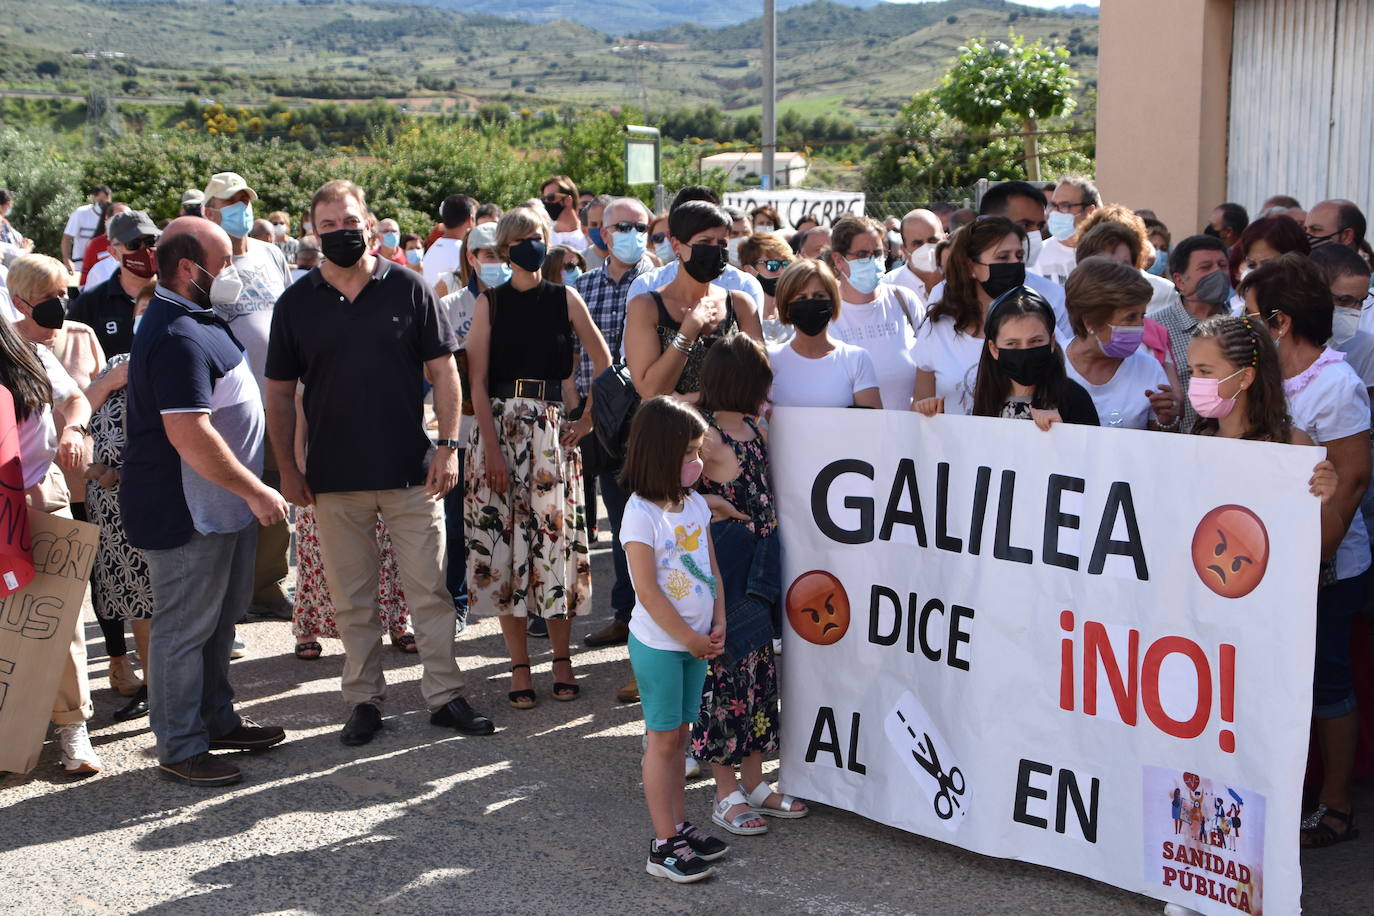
1106,301
1289,297
814,369
986,259
878,317
678,620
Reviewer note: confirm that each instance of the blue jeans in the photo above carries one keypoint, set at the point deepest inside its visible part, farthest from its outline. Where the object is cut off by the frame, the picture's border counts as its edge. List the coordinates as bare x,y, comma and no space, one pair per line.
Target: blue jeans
199,590
623,591
1333,687
457,577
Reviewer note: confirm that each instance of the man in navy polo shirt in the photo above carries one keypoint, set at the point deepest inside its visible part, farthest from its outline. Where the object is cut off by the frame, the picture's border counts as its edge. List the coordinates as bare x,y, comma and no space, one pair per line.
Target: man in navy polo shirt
362,333
191,500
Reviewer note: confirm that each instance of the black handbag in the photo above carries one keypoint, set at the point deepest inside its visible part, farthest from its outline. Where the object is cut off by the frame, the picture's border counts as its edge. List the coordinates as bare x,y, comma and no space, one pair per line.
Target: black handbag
614,401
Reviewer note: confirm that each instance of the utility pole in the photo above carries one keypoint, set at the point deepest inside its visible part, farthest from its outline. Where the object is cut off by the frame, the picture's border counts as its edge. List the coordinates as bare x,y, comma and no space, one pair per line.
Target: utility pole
770,93
102,113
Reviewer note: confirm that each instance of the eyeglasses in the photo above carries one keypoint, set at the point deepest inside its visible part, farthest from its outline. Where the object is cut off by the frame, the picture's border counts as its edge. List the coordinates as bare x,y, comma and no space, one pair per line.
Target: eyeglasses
143,241
772,265
1350,302
658,238
1067,207
630,227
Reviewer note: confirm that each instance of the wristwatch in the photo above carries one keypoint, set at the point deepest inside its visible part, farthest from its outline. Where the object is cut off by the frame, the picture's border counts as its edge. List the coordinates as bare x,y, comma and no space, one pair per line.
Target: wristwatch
447,443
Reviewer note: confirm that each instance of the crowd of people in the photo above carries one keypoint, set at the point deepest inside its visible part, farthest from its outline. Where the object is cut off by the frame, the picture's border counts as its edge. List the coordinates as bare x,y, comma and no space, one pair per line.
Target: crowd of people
445,409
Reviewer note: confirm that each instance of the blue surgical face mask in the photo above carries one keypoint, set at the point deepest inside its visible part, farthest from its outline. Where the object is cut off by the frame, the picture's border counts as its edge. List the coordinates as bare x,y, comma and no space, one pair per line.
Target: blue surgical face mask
494,274
236,219
865,274
664,250
414,256
391,239
570,275
594,233
628,247
1060,225
1160,267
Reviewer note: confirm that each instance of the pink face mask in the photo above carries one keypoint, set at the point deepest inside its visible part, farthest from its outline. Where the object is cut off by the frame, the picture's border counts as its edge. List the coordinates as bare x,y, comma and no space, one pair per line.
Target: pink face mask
1203,394
691,472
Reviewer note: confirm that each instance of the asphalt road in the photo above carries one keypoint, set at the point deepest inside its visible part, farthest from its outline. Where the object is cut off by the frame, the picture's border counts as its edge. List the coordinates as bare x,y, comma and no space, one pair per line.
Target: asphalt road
545,817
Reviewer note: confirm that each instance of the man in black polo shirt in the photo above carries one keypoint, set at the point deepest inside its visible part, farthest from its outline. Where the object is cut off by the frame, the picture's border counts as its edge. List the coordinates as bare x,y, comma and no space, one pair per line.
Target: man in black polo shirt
109,307
361,333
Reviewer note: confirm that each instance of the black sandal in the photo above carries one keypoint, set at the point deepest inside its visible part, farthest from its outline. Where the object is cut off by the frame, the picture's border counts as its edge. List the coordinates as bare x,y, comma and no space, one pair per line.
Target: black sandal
565,692
308,651
1320,835
520,699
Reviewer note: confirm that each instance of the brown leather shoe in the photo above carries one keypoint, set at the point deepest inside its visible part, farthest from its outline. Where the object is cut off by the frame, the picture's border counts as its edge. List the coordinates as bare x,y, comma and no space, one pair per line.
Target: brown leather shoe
614,633
249,736
202,770
629,693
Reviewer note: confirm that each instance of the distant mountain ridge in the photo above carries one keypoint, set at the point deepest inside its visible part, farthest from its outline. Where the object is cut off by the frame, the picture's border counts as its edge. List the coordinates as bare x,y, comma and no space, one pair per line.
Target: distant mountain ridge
627,16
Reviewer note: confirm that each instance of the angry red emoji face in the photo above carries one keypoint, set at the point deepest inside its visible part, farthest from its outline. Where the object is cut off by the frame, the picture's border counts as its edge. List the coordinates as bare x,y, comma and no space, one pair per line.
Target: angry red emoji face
1231,551
818,608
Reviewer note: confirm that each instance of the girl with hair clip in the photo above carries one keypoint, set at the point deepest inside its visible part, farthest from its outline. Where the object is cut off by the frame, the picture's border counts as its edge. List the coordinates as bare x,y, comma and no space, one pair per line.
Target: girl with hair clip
1021,371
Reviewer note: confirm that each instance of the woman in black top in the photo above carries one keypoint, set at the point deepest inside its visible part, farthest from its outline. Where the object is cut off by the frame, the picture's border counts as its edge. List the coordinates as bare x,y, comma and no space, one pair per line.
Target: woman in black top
526,525
1021,371
668,331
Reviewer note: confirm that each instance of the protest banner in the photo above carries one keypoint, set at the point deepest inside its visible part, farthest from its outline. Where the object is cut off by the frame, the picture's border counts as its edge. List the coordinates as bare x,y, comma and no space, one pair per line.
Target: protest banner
16,562
1085,648
36,628
792,204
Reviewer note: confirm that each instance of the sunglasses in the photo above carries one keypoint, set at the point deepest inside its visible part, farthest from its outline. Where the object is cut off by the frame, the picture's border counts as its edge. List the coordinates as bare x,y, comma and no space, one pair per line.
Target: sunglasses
145,241
552,198
658,238
773,265
630,227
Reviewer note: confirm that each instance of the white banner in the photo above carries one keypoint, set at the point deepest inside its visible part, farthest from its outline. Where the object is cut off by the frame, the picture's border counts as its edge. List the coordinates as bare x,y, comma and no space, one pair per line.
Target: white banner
1090,649
794,203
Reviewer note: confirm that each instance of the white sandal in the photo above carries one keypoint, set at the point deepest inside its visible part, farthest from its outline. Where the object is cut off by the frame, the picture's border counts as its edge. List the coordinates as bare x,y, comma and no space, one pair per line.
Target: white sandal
736,824
759,796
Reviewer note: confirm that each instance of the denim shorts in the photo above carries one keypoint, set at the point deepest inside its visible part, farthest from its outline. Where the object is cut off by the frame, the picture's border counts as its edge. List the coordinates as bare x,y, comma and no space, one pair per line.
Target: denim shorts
1333,690
669,685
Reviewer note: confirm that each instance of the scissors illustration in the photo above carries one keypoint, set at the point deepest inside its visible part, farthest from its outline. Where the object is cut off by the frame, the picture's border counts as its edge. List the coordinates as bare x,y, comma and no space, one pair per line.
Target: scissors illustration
951,783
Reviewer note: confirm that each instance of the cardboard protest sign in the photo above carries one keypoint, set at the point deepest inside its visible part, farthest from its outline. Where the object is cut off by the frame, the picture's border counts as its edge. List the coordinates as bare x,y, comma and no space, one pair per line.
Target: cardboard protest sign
16,562
36,628
1086,648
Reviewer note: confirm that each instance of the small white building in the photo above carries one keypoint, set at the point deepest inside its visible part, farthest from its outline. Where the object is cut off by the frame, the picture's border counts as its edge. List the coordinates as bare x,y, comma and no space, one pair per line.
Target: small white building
789,169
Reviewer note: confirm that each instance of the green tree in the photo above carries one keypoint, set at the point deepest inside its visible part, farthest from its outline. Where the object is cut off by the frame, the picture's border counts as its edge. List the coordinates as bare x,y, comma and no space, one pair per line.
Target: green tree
991,82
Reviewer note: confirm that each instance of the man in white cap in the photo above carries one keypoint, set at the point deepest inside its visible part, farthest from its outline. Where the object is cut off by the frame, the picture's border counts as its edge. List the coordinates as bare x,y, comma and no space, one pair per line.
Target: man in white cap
265,275
193,203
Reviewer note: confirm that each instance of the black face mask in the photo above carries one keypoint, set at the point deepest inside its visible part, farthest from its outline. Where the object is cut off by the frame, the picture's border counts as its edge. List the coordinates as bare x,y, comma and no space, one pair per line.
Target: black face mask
343,247
1004,276
1028,366
810,316
707,262
1213,231
529,254
769,284
555,209
50,313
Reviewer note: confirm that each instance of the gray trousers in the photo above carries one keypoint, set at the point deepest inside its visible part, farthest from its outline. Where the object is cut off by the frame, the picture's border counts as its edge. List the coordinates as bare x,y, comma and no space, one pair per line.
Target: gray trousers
199,590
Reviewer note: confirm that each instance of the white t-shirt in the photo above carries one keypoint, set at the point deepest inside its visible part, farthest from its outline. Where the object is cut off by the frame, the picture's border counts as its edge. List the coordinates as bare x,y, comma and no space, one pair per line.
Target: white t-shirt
680,541
573,239
1162,292
443,256
38,434
902,276
460,307
1121,401
100,271
265,275
81,226
1367,313
1056,260
1331,406
1359,355
831,380
1053,293
953,357
886,328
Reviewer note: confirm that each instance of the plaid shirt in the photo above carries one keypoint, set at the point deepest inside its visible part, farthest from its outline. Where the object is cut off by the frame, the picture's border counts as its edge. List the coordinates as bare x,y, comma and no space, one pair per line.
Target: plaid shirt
1179,322
606,300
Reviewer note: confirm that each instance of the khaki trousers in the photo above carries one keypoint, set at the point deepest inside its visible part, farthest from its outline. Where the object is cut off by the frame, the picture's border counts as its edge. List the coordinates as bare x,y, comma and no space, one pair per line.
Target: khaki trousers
348,546
72,705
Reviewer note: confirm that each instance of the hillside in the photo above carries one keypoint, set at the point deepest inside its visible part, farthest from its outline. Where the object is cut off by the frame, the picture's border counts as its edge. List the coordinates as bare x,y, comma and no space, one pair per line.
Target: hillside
628,15
861,64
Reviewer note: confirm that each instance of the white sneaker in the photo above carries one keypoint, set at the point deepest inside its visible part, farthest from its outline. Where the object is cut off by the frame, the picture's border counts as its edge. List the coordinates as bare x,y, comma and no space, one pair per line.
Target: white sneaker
777,647
77,754
1178,909
693,768
239,650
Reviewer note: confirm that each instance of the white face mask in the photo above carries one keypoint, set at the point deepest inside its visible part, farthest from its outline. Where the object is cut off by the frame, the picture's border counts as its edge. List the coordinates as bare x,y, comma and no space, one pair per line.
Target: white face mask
1035,245
923,258
732,245
226,287
1344,323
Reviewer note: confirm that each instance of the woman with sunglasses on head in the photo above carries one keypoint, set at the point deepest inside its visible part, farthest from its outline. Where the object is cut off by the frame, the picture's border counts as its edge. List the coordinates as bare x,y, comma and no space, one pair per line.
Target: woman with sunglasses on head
525,523
766,255
877,316
560,199
1289,296
985,259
